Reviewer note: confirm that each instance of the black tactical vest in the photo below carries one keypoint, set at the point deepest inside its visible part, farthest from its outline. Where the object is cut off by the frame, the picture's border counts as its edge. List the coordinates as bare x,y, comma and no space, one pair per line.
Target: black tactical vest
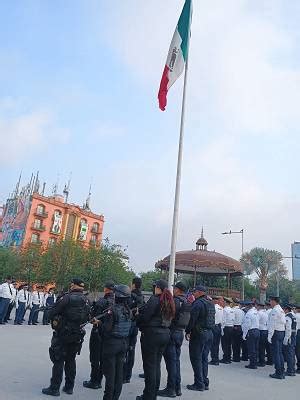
122,321
209,321
78,310
183,316
294,323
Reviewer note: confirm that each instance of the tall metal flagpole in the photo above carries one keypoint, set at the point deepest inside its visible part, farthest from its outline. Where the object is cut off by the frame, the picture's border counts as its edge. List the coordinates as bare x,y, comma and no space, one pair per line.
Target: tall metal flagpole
179,167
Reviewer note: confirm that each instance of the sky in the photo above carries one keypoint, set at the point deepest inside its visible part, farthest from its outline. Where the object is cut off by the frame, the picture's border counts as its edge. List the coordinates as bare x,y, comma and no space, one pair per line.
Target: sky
78,93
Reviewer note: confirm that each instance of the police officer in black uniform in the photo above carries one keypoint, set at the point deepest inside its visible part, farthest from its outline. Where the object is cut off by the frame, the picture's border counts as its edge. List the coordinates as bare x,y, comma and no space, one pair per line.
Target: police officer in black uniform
199,333
135,302
154,321
95,344
115,330
289,342
173,349
67,316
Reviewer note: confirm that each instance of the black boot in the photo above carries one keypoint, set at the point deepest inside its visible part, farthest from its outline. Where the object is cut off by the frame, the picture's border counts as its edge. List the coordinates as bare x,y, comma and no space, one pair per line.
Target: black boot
166,393
67,390
92,385
50,391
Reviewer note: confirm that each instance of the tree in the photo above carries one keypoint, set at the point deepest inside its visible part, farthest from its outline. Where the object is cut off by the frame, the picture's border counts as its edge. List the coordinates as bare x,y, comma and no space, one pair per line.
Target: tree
262,262
149,277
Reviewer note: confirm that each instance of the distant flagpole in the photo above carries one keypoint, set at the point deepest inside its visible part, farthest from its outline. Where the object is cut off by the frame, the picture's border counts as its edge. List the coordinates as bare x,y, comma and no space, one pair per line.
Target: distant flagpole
179,168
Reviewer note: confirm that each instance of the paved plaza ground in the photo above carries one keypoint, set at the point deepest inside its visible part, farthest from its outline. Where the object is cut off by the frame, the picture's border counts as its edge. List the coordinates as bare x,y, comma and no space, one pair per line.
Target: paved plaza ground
25,369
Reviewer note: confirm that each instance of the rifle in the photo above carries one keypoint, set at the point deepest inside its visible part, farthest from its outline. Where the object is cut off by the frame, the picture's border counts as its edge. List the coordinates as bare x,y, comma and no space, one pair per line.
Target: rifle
97,317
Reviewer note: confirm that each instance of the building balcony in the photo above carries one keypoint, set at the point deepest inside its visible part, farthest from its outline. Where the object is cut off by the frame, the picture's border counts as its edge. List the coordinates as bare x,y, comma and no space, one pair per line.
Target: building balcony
40,228
41,214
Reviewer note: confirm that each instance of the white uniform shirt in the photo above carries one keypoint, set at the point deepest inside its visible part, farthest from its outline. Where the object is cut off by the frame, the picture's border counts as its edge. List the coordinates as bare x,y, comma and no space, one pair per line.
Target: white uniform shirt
35,298
263,320
238,315
228,316
6,290
288,330
297,315
23,297
14,294
46,295
276,321
219,314
251,321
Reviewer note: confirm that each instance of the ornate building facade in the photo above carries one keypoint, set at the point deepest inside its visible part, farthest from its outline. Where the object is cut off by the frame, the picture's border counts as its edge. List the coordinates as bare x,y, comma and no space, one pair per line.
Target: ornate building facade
31,217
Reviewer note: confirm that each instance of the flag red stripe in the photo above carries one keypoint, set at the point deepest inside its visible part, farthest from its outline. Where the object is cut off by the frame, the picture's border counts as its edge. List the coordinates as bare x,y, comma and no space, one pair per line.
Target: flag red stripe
163,89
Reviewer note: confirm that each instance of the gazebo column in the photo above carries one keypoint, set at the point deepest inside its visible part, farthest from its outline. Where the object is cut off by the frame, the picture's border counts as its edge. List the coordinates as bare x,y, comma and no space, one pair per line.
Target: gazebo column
228,283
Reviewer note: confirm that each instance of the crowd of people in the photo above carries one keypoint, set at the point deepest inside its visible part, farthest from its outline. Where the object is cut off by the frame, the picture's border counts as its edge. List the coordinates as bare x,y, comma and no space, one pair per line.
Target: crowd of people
22,298
260,333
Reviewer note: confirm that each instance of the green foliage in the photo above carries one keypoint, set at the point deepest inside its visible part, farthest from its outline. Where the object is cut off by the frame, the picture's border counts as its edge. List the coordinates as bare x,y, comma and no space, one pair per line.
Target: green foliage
262,262
151,276
64,260
289,290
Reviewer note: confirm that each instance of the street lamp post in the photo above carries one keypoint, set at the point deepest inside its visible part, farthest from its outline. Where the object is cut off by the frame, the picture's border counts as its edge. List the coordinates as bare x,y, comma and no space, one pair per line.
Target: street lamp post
241,232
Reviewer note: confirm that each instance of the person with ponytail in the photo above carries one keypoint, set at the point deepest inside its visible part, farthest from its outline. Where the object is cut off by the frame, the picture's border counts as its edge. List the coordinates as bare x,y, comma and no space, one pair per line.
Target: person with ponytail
154,321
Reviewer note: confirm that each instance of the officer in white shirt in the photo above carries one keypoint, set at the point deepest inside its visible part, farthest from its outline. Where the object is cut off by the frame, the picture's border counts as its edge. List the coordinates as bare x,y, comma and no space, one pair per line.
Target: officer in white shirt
276,333
250,329
22,303
35,304
237,334
214,352
12,301
289,341
263,333
297,315
227,329
6,294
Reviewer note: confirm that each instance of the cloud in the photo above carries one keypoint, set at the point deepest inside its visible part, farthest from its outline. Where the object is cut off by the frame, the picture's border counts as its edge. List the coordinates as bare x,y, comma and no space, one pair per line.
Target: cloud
23,132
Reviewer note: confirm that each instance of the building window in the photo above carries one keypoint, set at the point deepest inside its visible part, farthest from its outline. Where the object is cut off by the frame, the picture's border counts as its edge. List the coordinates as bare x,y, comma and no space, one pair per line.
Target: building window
40,209
35,238
37,223
95,227
52,241
93,239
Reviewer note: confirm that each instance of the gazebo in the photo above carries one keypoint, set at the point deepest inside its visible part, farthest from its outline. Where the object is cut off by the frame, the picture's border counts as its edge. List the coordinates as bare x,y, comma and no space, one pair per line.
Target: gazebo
206,263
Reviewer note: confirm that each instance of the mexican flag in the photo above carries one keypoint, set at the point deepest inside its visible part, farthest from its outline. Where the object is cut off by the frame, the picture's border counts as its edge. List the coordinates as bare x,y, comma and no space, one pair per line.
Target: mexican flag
177,54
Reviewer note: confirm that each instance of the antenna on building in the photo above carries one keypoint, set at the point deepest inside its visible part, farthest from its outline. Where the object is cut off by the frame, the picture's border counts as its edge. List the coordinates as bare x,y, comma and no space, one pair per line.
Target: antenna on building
36,187
43,190
66,190
86,205
18,185
55,187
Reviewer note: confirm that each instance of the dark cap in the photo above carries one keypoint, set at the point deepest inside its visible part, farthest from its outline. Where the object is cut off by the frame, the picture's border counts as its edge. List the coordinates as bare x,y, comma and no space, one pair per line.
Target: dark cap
216,297
297,306
248,303
289,306
109,285
200,288
162,284
181,286
78,282
275,298
260,304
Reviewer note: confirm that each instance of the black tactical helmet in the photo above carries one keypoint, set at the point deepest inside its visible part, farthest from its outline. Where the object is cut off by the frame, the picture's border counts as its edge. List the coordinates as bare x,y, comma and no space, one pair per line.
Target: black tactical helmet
122,291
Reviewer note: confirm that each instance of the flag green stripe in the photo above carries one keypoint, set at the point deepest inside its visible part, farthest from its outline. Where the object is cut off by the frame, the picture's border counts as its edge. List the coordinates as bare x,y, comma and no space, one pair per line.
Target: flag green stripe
183,26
